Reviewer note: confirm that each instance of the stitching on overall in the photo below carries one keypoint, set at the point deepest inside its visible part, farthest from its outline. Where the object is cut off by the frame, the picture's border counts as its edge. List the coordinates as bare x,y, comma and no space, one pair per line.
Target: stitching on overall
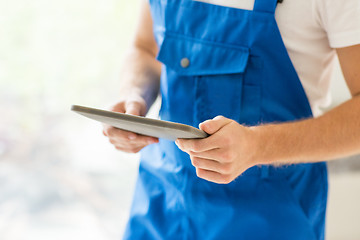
241,48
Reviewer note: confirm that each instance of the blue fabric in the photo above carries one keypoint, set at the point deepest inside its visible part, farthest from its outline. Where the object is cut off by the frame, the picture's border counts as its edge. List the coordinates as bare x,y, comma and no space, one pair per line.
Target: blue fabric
239,68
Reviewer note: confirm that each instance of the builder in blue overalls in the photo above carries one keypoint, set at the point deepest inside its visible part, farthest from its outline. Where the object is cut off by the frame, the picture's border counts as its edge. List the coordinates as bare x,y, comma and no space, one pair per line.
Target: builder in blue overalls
260,174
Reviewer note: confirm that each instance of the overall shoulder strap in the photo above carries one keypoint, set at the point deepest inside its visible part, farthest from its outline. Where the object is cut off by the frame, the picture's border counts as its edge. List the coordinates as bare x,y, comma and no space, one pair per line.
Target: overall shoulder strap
268,6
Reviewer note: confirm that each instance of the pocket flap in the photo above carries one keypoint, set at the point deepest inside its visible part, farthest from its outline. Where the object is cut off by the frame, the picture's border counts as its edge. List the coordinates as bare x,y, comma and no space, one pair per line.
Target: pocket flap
188,56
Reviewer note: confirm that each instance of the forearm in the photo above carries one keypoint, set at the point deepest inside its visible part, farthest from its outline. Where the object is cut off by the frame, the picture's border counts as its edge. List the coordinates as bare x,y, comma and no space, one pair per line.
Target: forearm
335,134
140,75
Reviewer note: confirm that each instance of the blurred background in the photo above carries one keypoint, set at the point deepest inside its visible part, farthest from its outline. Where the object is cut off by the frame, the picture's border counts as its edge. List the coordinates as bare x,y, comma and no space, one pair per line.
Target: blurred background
59,176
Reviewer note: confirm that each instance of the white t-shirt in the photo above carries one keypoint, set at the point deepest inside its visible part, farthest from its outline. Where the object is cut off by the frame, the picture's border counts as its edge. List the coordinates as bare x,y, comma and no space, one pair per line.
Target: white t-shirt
311,30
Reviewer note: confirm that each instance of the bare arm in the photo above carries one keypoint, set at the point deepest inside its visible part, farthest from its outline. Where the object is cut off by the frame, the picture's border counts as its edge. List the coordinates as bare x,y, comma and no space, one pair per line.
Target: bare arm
233,148
141,71
335,134
140,80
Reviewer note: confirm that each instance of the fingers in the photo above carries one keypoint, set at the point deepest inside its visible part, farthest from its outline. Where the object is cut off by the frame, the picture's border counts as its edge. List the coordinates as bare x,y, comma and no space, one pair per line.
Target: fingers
127,141
214,125
113,132
219,155
209,143
213,176
197,145
213,171
118,107
133,108
223,155
124,140
118,135
130,149
211,165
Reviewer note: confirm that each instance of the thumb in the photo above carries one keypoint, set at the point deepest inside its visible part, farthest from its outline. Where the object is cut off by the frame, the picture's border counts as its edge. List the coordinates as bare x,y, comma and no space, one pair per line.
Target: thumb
133,108
214,125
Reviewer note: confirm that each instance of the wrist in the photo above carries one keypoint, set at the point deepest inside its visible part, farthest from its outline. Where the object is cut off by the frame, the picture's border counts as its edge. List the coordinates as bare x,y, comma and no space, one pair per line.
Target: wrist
267,144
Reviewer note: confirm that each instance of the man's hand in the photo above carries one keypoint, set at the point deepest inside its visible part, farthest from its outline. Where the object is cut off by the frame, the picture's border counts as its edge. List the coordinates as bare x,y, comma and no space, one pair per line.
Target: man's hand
223,156
124,140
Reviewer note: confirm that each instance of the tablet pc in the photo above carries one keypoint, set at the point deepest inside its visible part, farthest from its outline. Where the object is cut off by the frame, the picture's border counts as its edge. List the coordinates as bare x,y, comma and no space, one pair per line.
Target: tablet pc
141,125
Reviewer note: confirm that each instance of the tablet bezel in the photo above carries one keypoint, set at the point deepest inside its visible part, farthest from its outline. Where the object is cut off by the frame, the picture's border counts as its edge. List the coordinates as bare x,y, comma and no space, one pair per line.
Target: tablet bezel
157,128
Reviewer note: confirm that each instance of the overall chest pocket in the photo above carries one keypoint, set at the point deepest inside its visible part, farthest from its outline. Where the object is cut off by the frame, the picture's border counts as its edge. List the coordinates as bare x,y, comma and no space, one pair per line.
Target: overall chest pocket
214,75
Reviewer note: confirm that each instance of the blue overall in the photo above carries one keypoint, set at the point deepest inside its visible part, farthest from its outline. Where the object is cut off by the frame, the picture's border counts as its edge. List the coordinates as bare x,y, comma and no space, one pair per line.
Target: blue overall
236,65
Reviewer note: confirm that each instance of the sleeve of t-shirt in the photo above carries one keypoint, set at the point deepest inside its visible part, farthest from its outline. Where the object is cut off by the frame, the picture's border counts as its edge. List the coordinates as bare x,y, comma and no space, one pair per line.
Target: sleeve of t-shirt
341,21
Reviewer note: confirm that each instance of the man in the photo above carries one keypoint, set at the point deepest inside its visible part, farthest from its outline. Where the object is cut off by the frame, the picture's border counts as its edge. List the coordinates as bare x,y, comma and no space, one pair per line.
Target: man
255,79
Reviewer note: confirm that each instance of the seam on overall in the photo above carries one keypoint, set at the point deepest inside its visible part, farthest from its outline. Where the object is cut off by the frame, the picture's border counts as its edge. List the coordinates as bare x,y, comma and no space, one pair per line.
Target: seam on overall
228,46
220,10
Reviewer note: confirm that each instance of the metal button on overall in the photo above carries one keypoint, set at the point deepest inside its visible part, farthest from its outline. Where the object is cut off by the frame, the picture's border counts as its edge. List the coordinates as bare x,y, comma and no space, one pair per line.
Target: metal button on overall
185,62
